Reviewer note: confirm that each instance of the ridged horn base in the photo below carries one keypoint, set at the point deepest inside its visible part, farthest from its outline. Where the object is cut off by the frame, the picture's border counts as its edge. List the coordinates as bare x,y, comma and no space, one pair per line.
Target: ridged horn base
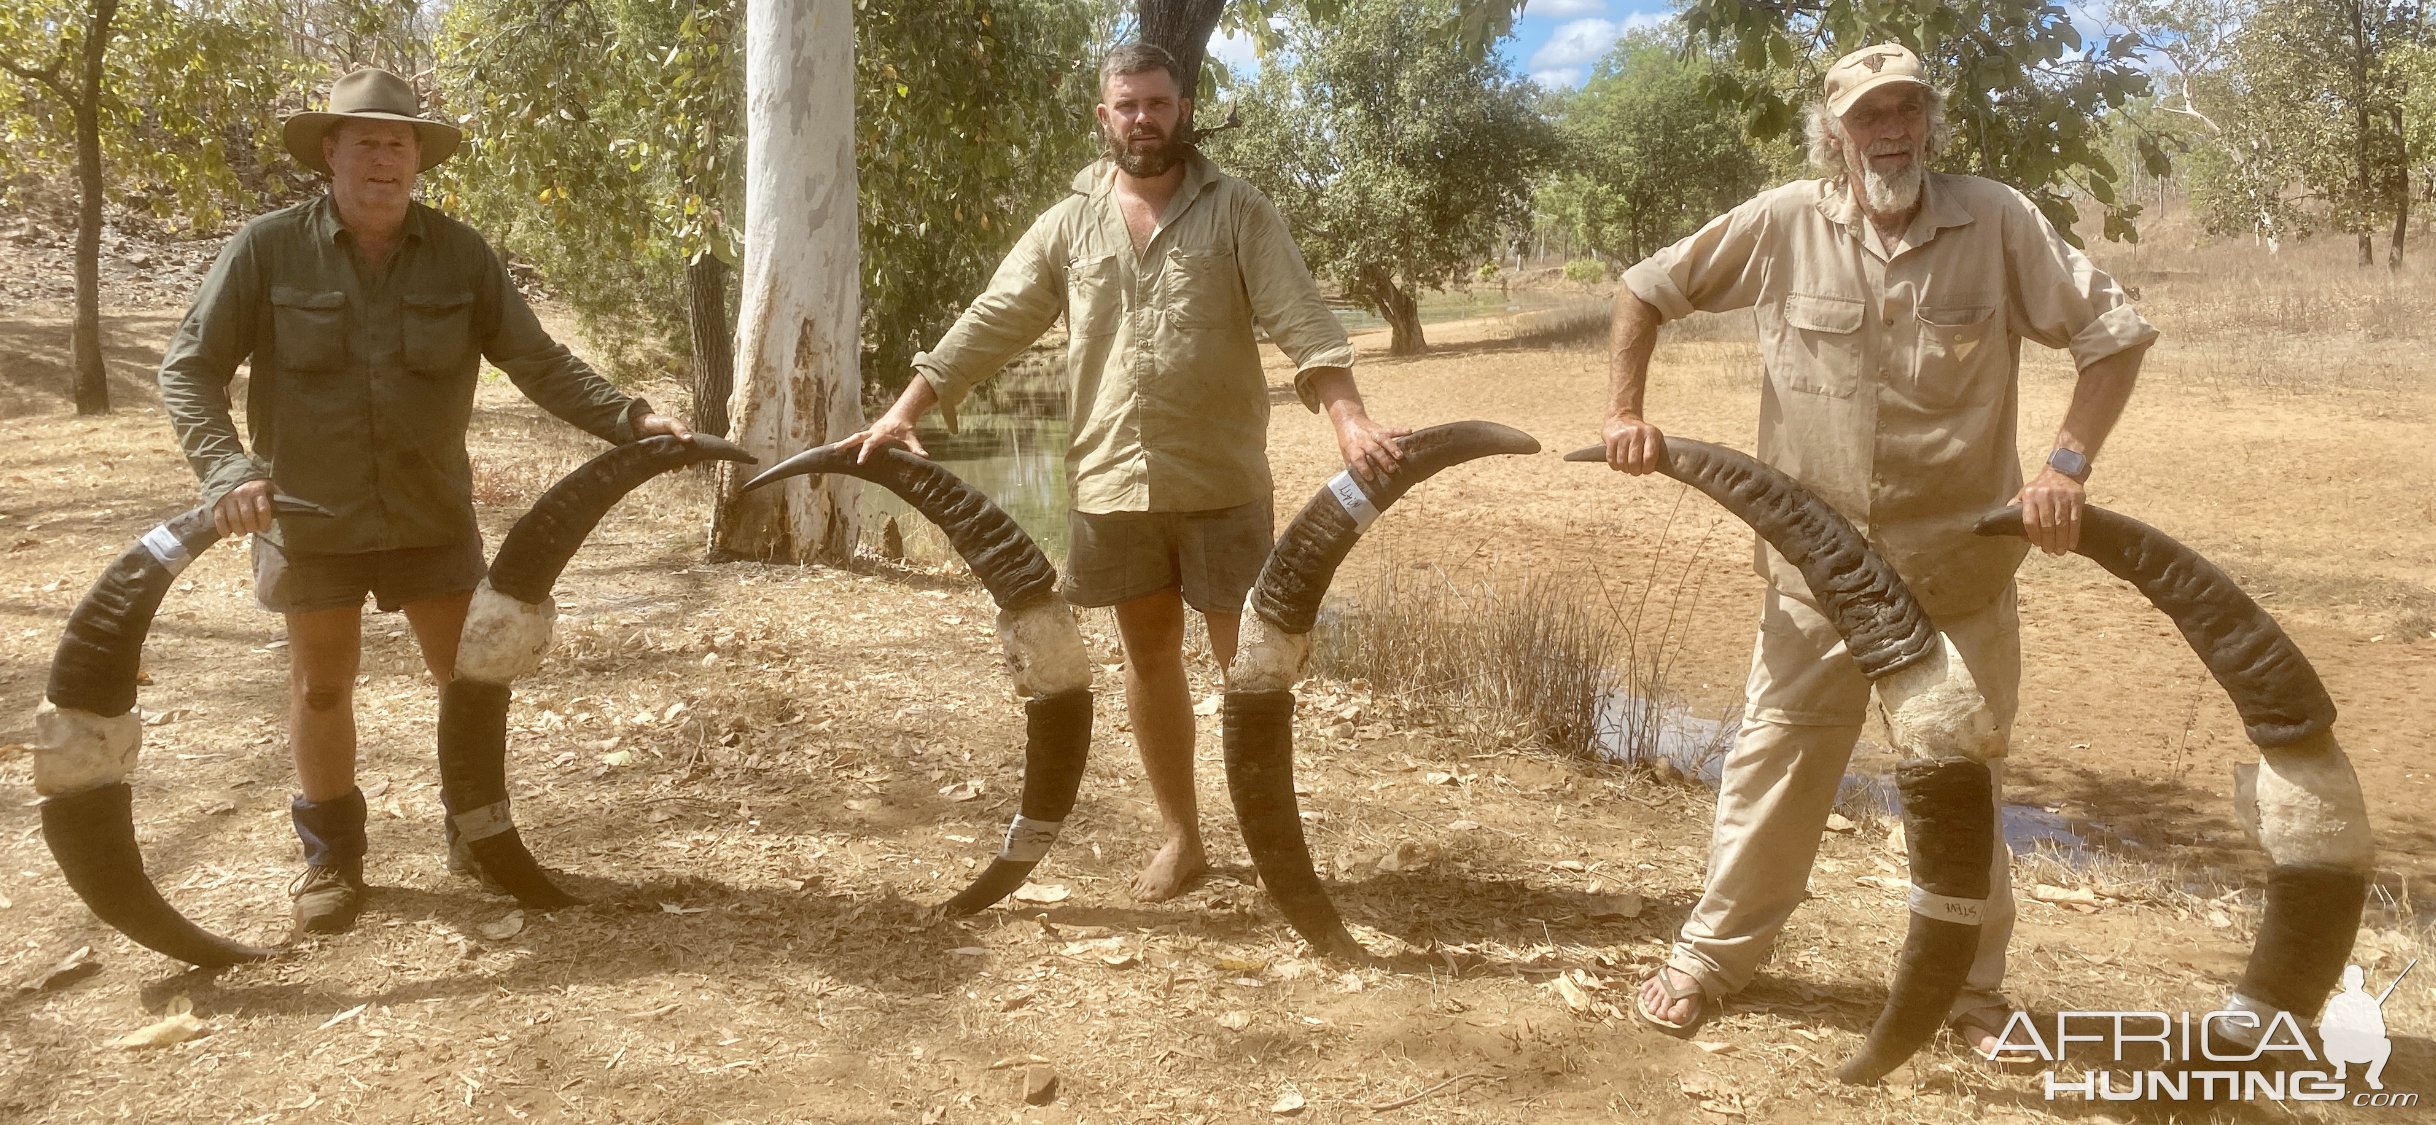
473,775
2305,937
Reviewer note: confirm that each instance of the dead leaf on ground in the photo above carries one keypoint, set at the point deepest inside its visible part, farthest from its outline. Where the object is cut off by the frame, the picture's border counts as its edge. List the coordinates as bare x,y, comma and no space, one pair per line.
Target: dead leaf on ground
342,1017
178,1026
513,924
67,970
964,790
673,908
1208,705
1043,894
1039,1085
1234,1019
1288,1103
1615,907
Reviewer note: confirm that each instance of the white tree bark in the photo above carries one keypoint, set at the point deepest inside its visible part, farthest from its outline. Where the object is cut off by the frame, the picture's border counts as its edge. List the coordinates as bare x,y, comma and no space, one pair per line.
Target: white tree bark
799,382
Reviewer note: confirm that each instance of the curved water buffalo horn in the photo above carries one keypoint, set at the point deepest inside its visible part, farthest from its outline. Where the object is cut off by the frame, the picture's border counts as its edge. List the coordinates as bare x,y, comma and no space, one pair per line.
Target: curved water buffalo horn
1005,559
2320,847
1258,729
1948,807
2273,686
1042,644
1882,625
538,548
1304,562
473,712
90,824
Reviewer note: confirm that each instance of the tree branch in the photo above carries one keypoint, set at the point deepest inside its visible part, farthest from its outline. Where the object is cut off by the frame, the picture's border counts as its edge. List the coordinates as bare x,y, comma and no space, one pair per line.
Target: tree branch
48,76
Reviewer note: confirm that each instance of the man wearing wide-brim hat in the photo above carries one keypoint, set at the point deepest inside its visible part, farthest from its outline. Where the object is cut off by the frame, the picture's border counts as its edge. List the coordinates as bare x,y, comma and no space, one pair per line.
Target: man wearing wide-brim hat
366,317
1891,303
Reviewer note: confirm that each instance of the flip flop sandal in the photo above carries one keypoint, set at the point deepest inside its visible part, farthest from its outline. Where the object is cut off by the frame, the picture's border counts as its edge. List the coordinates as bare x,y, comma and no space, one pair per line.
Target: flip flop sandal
1979,1019
1665,978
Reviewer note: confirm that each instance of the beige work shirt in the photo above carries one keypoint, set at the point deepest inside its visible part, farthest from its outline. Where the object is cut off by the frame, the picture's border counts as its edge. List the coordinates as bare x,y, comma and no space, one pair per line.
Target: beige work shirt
1891,368
1168,410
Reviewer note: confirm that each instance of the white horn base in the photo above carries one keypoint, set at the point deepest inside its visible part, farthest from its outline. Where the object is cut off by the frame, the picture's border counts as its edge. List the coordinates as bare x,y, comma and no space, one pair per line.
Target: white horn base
504,639
79,750
1934,708
1044,648
2302,803
1267,658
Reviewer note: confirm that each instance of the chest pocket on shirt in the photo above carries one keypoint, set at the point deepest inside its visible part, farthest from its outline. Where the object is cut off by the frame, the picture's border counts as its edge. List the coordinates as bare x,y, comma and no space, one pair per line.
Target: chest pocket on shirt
309,327
1094,295
1819,351
1952,362
1203,289
439,332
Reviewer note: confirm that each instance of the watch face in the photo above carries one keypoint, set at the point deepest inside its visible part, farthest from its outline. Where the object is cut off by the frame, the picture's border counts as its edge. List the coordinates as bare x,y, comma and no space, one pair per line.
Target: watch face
2069,463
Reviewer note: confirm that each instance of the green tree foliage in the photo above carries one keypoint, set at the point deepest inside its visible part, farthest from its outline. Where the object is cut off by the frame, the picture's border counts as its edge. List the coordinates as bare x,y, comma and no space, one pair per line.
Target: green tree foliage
971,117
1397,155
156,105
2325,90
1647,158
2027,93
607,151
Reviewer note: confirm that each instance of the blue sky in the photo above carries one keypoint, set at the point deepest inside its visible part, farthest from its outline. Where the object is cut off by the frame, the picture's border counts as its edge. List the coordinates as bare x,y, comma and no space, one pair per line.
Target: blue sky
1555,41
1558,41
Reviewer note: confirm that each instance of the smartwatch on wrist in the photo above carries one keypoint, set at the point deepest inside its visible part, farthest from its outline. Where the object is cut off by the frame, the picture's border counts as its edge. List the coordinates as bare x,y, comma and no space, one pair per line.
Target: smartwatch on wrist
2071,463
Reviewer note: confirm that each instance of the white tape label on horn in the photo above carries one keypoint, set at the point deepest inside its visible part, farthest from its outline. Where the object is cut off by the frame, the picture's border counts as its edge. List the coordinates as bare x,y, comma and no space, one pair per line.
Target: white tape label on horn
1349,496
485,822
1967,911
1028,839
166,549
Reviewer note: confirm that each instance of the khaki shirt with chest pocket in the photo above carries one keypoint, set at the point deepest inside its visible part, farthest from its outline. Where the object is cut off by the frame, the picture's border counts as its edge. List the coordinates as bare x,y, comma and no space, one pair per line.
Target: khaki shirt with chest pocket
1168,409
1892,366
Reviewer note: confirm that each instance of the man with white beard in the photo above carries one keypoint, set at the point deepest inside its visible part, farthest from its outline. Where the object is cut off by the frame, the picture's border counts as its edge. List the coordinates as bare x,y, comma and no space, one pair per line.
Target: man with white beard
1891,303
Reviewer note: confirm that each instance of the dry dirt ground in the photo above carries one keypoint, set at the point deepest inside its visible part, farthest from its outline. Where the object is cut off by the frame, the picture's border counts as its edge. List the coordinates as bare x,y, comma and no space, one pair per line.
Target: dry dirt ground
761,775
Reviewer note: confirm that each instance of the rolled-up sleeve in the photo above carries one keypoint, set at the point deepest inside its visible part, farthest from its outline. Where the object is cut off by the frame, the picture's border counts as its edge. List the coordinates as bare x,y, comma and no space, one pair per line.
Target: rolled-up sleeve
1714,269
1286,301
217,335
1022,301
553,377
2060,298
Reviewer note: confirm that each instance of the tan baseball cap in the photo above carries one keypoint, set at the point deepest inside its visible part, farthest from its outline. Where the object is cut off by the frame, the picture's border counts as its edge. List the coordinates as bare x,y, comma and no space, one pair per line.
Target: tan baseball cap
1868,69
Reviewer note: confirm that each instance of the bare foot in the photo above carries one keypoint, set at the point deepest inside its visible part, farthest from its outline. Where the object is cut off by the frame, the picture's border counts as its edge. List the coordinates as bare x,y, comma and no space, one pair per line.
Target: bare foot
1674,1010
1175,867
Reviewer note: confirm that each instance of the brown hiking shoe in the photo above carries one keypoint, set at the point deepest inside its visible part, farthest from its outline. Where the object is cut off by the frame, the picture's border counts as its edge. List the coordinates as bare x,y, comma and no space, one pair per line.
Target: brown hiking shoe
328,900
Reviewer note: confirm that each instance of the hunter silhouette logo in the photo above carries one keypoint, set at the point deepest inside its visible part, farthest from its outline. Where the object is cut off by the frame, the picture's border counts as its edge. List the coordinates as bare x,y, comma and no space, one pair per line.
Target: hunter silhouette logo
2215,1056
2354,1026
1875,62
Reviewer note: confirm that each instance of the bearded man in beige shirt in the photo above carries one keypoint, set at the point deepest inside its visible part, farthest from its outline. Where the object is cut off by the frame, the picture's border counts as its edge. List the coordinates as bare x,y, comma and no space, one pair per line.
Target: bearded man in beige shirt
1162,266
1891,303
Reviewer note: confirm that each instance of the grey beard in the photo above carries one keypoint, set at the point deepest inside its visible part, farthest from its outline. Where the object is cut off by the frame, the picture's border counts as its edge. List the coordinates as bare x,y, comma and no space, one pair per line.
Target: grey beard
1145,165
1895,194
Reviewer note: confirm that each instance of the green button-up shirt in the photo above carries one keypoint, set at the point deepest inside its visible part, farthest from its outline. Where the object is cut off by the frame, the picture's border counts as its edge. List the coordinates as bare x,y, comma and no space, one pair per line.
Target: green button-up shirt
363,381
1169,411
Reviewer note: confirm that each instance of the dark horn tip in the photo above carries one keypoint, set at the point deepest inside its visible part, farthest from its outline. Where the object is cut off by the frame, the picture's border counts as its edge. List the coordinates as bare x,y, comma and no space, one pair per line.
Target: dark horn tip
810,462
2003,521
287,505
721,449
1596,453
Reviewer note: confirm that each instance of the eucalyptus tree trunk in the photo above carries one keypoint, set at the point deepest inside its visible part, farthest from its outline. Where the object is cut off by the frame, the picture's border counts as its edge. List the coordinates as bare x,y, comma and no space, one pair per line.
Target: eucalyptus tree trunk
92,378
714,341
1183,27
799,383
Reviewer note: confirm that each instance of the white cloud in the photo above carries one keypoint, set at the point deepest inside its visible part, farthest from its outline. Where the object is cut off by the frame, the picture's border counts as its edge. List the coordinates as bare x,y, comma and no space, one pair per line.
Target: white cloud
1235,50
1566,8
1561,78
1584,41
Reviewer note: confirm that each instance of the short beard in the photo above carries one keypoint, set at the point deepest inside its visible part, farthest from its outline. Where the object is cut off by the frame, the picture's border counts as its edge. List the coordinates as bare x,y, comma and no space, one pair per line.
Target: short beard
1146,165
1892,194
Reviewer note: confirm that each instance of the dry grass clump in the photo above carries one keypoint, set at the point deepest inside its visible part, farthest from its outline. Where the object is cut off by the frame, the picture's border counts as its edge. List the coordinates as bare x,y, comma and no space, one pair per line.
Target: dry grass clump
1530,656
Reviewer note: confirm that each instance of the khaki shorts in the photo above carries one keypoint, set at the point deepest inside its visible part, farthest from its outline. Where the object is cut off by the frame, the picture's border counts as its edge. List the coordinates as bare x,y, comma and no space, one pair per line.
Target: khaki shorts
1212,556
304,581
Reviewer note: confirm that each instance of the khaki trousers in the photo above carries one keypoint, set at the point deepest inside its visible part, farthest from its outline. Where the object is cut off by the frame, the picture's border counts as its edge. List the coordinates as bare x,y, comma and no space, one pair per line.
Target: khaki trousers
1803,711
